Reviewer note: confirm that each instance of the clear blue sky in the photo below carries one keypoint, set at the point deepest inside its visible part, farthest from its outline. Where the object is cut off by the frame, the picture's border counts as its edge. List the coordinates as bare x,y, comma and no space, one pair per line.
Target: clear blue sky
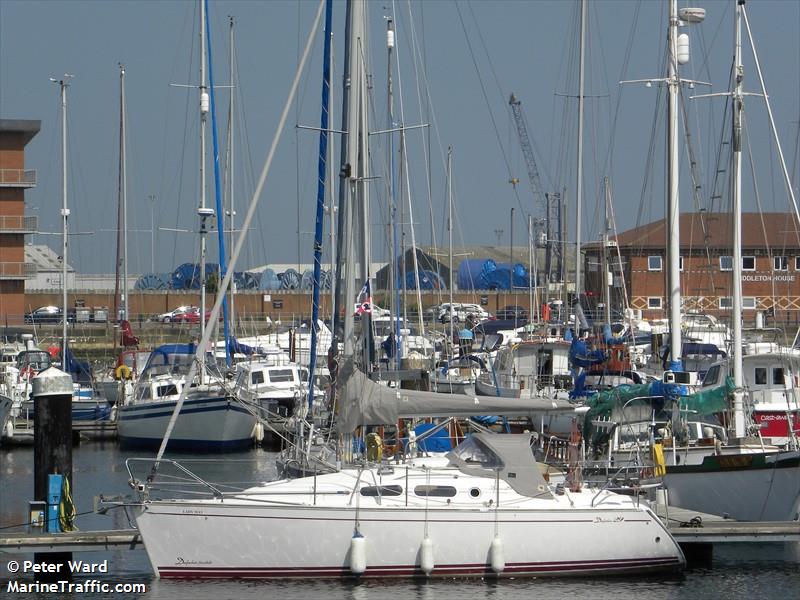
526,47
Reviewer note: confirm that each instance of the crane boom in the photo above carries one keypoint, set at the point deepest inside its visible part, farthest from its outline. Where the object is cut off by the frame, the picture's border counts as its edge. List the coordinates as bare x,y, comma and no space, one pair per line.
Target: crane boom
527,152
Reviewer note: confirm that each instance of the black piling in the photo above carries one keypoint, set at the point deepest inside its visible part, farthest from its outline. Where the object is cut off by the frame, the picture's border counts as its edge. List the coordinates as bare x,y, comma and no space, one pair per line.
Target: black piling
52,452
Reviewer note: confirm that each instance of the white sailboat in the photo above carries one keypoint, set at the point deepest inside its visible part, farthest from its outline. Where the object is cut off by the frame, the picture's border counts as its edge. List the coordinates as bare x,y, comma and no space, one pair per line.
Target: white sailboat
211,418
483,510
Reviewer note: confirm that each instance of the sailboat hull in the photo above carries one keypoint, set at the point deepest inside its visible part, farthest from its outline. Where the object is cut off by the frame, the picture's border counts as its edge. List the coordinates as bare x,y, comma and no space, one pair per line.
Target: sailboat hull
746,487
204,424
204,540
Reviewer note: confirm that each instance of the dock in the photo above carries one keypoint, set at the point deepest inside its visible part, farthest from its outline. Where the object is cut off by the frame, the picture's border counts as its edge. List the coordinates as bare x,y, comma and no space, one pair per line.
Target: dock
73,541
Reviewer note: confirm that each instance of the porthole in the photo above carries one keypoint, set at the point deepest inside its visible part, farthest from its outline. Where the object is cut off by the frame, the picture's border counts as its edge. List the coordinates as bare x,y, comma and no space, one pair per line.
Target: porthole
474,492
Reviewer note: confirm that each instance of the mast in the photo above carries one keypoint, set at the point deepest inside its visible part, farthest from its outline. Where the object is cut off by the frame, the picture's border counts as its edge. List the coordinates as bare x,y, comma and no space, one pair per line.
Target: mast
606,271
202,210
118,258
579,170
229,171
320,209
450,233
673,197
218,202
736,184
393,264
63,85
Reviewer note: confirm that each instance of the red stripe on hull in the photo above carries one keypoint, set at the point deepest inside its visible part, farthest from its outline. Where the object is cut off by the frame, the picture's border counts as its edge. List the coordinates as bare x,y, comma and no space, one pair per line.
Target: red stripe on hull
544,568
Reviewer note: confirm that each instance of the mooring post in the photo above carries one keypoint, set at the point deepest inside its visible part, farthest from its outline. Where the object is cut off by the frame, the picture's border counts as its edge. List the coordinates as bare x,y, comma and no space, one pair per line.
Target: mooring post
52,454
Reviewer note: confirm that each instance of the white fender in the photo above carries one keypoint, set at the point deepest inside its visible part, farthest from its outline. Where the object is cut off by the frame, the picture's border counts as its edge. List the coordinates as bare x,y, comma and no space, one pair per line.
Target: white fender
358,554
426,555
496,558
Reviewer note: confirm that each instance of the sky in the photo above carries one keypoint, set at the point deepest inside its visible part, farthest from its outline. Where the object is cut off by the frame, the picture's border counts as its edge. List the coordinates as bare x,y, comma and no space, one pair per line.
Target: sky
456,63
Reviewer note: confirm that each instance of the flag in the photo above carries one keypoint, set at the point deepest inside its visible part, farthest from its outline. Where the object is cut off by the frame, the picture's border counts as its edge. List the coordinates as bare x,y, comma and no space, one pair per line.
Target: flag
364,300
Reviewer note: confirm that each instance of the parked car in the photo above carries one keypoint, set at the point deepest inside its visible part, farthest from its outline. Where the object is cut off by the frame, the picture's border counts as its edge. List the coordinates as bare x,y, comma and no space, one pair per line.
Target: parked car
48,314
175,315
190,316
512,312
376,310
459,312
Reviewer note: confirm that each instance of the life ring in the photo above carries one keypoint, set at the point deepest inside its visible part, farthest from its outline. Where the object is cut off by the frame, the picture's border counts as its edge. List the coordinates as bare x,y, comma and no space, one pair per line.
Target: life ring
122,372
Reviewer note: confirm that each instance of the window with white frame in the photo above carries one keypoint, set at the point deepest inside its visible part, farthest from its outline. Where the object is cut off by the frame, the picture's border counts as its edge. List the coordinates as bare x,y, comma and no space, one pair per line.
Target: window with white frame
780,263
726,263
654,302
748,263
680,263
725,302
748,303
653,263
797,263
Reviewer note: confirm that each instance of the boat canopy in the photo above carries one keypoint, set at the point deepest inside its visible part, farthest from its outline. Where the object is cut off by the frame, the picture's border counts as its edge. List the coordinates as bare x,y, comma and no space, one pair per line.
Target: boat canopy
508,456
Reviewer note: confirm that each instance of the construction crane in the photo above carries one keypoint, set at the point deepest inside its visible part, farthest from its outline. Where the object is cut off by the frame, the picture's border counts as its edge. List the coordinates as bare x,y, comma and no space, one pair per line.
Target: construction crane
550,204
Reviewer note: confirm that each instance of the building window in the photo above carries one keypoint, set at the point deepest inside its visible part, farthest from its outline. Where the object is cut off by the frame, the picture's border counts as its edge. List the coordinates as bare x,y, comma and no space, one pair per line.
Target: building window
680,263
748,263
653,263
726,263
780,263
748,303
725,302
761,376
797,263
654,302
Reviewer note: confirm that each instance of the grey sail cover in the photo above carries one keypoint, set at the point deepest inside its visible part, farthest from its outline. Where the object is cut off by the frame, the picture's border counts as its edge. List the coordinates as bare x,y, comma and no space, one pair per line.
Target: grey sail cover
366,402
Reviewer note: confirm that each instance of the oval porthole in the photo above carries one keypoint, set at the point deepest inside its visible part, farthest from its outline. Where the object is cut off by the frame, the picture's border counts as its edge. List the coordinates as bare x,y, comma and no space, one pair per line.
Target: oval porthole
474,492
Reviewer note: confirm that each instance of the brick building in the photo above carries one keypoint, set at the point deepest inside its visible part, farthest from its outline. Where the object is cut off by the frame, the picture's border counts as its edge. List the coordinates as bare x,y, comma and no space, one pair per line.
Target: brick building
14,223
770,265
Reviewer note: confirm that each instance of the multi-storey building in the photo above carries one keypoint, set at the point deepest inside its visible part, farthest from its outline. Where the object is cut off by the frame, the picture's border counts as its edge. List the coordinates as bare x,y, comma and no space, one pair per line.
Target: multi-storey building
14,223
770,265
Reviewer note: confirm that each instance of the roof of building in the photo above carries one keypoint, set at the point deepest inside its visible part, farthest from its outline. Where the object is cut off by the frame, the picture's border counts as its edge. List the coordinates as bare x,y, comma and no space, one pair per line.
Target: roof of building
715,231
27,127
44,257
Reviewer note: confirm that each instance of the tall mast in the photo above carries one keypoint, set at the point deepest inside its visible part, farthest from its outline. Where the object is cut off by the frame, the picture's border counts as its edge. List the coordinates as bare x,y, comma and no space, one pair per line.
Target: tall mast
204,105
229,170
123,192
63,84
738,107
450,234
673,197
393,264
579,170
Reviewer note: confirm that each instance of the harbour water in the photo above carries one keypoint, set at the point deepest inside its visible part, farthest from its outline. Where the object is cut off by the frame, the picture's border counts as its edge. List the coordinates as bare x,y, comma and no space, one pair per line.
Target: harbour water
737,571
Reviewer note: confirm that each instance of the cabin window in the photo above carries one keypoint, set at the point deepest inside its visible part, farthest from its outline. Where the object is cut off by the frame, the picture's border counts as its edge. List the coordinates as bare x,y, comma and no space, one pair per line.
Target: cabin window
760,376
654,302
653,263
281,376
381,490
778,376
712,376
726,263
725,302
780,263
257,377
748,263
748,303
166,390
435,491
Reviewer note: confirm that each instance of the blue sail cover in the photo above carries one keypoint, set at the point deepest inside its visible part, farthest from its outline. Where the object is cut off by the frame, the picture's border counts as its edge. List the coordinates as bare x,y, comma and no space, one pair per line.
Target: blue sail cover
236,347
